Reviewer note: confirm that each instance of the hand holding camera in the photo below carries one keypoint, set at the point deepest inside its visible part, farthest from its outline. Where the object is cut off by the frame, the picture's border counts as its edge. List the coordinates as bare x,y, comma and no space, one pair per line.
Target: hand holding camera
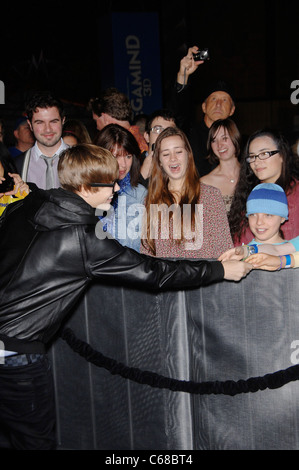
190,63
12,184
6,183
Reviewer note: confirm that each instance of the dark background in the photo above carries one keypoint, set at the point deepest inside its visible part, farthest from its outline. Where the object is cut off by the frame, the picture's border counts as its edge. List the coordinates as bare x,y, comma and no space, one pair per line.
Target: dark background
253,45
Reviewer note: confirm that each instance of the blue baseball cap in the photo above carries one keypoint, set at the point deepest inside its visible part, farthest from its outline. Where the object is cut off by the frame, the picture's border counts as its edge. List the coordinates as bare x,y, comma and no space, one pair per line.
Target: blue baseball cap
20,121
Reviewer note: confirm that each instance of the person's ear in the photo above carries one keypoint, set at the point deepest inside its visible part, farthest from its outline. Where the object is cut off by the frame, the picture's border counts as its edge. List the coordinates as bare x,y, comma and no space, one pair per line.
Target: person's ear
106,118
29,123
233,108
146,137
84,192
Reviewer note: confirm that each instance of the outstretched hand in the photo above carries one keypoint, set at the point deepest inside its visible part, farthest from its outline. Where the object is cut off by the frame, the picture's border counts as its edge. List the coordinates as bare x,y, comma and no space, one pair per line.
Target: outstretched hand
264,261
236,270
237,253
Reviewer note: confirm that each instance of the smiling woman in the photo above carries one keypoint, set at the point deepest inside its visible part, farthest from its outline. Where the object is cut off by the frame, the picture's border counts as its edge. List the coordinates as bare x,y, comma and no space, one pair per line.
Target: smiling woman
267,158
183,218
124,221
224,147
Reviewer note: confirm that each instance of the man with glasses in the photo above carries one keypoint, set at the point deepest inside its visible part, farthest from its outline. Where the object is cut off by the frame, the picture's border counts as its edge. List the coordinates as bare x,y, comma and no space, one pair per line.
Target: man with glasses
49,255
156,123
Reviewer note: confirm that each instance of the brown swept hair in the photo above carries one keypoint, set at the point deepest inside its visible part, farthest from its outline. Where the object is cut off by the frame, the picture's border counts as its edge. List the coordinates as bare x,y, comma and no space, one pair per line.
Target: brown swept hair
158,191
83,164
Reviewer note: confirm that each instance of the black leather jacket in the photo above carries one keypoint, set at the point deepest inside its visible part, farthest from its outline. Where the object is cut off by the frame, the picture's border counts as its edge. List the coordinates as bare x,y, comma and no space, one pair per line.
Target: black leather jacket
49,255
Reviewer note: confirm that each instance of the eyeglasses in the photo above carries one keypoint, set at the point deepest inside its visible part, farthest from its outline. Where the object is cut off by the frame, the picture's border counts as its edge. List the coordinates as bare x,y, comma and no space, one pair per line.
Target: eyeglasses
157,129
104,185
261,156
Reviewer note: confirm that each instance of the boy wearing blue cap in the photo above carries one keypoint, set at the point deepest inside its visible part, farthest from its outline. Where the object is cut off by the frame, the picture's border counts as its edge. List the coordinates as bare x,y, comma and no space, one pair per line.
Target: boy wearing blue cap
267,210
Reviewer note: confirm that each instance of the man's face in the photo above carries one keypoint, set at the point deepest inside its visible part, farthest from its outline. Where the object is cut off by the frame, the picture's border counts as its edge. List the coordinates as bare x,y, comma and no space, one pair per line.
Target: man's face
158,125
24,134
218,105
46,126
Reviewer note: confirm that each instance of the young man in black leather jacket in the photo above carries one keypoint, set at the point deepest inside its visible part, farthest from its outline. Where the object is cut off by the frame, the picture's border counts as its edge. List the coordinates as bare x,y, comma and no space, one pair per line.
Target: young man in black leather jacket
52,247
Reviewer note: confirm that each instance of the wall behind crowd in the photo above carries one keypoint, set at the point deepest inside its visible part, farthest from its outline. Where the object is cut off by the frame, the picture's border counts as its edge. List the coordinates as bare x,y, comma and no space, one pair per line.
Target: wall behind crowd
255,49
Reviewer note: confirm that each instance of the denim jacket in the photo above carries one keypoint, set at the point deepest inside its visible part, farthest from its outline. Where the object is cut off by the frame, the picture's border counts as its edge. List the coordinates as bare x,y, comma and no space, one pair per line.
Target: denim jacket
124,220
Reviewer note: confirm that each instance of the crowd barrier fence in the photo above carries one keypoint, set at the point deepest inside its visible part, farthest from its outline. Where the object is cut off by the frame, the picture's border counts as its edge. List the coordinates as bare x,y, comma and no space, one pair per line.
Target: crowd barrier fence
227,332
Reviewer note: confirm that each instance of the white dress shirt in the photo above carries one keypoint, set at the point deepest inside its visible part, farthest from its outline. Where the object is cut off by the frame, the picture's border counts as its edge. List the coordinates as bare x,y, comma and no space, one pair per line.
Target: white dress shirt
37,166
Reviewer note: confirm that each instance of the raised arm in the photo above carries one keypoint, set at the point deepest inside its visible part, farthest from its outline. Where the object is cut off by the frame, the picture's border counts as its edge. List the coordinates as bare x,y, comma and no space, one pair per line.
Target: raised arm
188,66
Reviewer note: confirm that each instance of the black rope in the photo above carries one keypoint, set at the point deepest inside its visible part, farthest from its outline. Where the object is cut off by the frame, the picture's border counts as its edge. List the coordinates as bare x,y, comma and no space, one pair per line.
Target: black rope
228,387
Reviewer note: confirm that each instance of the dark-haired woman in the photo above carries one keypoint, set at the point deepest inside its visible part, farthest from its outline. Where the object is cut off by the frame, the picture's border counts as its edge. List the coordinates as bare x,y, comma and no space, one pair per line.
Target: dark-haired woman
224,148
125,222
267,158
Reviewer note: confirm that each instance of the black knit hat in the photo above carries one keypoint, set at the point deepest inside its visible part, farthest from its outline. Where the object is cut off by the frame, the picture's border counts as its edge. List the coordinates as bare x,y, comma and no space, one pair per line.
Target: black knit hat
218,85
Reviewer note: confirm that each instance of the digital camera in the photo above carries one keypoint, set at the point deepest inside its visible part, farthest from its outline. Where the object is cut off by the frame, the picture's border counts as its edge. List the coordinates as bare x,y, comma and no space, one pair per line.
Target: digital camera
6,185
201,55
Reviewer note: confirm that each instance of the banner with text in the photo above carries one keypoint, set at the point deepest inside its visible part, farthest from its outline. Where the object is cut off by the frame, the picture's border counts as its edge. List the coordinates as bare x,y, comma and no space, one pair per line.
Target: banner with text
130,58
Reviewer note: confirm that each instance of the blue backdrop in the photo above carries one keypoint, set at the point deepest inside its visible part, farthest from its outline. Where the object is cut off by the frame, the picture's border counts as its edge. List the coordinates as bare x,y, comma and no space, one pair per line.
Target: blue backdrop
130,58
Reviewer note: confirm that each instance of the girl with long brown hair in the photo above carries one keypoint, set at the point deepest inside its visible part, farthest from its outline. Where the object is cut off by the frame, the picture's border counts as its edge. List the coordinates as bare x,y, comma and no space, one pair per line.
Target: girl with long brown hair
183,217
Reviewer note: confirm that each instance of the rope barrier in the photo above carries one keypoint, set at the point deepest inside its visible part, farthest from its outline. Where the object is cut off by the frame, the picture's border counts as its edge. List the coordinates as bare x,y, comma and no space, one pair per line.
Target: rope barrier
229,387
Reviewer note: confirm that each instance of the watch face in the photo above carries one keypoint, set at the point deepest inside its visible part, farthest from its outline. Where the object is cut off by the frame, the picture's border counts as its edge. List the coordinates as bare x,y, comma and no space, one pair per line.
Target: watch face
252,250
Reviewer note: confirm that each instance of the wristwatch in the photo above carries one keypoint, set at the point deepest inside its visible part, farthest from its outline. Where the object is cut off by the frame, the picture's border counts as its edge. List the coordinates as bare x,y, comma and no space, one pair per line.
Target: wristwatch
251,250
